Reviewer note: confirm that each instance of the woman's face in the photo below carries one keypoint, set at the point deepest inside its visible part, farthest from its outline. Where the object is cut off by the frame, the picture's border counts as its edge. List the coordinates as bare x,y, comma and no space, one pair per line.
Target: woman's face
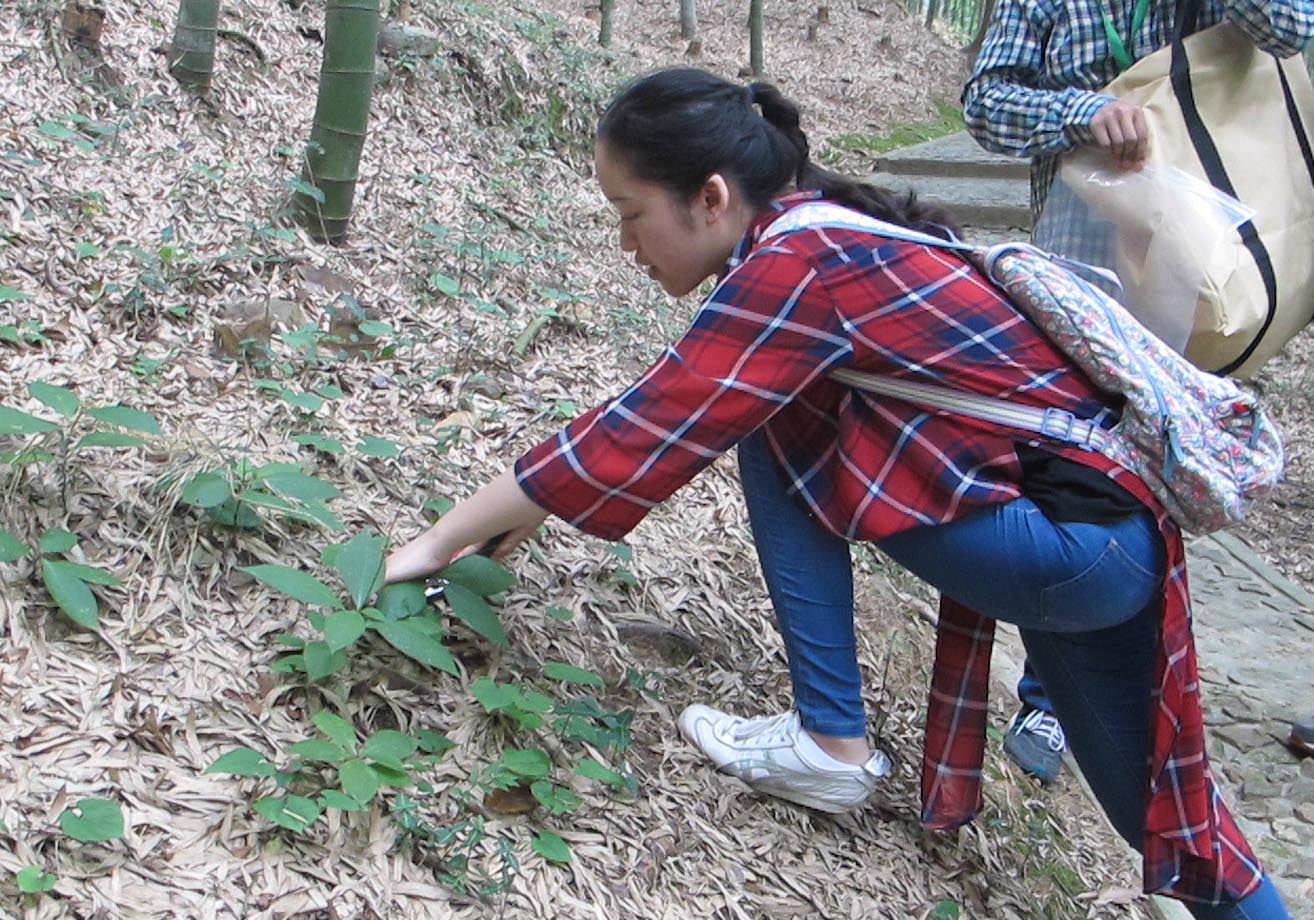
678,243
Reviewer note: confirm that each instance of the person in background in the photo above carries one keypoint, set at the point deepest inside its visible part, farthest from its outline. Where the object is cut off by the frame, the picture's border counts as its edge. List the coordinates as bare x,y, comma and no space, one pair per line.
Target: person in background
1035,92
702,172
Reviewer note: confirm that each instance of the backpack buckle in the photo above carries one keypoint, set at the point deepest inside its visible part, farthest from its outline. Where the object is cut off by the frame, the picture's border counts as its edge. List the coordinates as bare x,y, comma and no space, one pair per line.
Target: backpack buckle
1062,425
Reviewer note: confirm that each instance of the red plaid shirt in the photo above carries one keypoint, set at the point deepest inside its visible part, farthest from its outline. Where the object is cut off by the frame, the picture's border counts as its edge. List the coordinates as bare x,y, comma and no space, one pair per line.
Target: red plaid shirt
787,311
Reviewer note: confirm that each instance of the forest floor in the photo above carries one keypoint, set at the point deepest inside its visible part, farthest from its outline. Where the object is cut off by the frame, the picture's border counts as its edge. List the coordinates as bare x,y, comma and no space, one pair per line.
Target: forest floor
477,303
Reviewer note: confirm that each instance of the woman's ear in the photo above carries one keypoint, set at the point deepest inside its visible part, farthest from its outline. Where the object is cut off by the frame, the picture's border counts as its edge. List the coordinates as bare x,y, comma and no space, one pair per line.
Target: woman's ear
714,197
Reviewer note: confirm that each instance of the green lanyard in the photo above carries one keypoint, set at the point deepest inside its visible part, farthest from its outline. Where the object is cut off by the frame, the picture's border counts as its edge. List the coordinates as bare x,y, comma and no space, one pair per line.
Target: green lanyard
1116,42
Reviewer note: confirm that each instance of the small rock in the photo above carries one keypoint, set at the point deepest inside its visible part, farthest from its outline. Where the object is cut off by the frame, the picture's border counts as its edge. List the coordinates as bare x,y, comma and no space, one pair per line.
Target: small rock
1246,736
396,39
1305,812
1256,788
1292,831
380,382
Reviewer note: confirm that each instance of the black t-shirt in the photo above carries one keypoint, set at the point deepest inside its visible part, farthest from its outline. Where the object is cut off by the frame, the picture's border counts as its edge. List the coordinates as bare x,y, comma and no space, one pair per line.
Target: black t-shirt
1068,492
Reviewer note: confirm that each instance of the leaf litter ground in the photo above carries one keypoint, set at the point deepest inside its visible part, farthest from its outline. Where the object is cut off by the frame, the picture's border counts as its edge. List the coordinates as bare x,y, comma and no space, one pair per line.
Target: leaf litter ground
139,241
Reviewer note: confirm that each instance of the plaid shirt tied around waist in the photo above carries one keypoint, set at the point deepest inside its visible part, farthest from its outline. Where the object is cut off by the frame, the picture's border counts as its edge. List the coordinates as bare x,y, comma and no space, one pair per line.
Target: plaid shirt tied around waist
786,312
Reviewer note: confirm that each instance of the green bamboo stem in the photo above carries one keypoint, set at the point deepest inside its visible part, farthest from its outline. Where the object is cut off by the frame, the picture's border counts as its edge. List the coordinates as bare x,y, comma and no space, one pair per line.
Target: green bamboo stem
605,11
191,58
342,110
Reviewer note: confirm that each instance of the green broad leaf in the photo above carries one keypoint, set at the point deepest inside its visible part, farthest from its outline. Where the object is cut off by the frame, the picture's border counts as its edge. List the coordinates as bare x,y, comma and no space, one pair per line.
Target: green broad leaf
13,421
343,628
57,540
338,729
330,391
306,402
296,584
262,499
530,763
401,600
207,490
440,505
559,613
335,798
56,130
590,768
289,664
290,640
480,574
360,564
371,446
319,659
313,512
242,761
445,284
8,293
233,513
473,611
945,910
492,695
126,417
358,780
87,573
35,880
389,746
409,639
300,486
321,443
375,328
568,673
432,742
109,439
533,701
92,820
551,847
319,749
86,250
61,399
295,812
556,799
71,594
11,548
391,776
621,551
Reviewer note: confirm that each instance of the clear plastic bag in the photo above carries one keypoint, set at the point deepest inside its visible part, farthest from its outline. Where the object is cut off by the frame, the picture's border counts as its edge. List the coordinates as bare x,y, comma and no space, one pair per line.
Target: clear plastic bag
1163,232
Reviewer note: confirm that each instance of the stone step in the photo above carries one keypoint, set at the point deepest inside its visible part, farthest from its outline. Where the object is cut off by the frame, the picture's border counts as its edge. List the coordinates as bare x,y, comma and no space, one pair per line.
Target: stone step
978,202
954,154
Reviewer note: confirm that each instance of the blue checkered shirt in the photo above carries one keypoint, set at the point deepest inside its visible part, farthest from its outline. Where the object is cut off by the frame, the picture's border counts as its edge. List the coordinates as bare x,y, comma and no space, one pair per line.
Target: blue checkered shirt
1036,83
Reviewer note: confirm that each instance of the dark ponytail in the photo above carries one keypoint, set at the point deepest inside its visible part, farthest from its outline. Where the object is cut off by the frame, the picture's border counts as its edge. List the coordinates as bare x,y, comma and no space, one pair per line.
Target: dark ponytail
676,127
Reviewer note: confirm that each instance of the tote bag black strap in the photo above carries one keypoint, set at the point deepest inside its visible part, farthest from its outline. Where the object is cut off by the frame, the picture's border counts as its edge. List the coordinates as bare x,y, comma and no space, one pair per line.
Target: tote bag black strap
1187,22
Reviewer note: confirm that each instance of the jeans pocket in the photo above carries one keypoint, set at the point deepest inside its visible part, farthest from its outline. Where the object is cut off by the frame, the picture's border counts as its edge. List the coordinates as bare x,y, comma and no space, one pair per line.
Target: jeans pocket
1111,590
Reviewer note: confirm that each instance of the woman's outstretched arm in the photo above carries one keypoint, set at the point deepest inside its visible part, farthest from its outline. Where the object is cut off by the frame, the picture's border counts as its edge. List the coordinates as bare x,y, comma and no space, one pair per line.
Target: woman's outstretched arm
499,508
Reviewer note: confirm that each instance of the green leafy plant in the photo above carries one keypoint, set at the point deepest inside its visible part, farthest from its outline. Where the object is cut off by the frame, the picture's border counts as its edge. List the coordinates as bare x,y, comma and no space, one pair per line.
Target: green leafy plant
80,426
35,880
334,769
234,495
68,582
92,820
400,614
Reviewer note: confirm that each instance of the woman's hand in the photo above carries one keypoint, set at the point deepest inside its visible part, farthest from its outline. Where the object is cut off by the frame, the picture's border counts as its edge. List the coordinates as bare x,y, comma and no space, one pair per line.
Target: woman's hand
419,558
499,513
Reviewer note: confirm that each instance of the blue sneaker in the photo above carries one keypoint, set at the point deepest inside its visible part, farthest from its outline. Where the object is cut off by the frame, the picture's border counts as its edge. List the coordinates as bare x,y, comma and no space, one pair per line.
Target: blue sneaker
1035,742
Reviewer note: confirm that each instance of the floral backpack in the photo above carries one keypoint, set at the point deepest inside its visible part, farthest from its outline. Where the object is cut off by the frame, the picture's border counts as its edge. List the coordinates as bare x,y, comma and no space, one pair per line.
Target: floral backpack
1202,444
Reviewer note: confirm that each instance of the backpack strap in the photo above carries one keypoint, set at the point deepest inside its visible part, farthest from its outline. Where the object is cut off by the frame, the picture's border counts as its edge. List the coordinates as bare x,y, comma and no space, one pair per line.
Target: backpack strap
816,214
1059,424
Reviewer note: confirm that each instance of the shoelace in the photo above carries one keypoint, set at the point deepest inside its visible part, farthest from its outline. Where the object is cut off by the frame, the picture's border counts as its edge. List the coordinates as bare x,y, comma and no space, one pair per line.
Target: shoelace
767,728
1041,723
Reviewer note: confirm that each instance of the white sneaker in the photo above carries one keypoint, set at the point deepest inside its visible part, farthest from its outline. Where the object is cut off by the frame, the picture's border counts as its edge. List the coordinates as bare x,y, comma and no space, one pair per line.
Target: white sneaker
774,755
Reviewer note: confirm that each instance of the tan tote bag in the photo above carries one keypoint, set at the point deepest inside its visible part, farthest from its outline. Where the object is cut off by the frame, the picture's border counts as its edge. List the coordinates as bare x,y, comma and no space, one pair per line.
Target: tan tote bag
1224,111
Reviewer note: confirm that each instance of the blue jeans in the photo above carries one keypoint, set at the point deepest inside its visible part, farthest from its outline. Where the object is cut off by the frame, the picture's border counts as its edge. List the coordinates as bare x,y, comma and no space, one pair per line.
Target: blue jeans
1084,598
